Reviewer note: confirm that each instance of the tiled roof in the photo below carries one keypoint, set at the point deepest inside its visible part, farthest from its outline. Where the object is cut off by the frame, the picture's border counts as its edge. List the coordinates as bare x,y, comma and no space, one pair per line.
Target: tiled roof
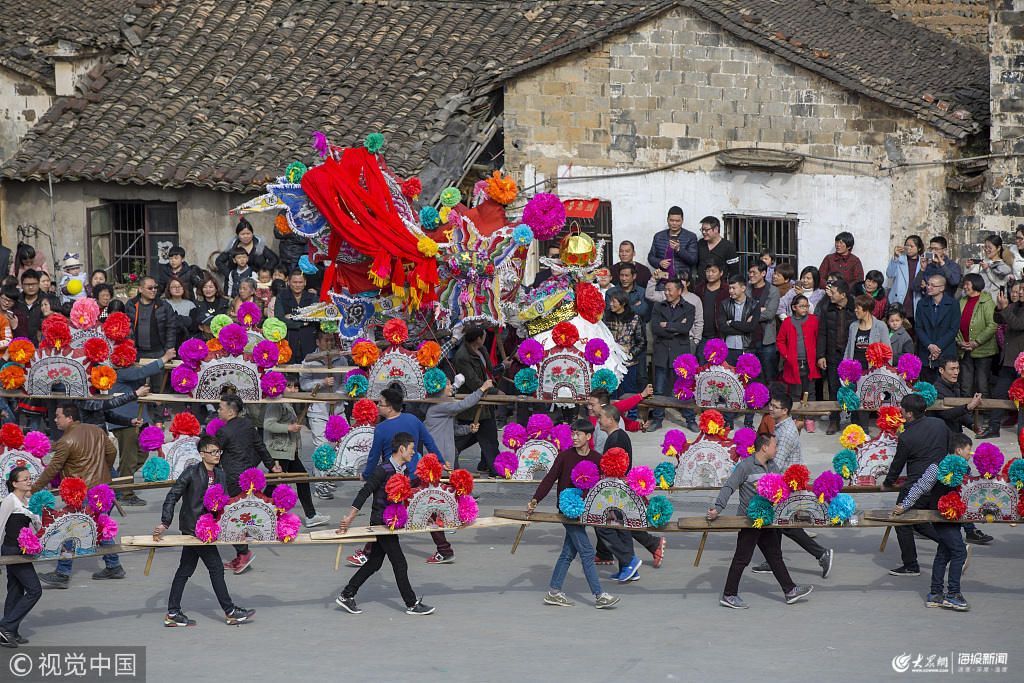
225,93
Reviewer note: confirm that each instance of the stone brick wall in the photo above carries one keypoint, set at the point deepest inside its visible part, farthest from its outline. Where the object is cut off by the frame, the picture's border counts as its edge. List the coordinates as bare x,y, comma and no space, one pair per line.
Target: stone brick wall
22,103
965,21
679,86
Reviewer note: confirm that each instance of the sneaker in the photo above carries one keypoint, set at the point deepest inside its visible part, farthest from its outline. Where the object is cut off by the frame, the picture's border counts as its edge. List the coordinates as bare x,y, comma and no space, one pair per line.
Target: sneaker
177,619
732,601
55,579
905,571
323,491
809,426
7,639
659,554
630,569
604,601
238,614
934,600
19,639
109,573
357,559
132,501
559,599
763,568
438,558
692,426
977,536
243,562
955,601
654,426
419,608
826,563
604,563
332,485
349,604
317,520
833,427
232,564
798,593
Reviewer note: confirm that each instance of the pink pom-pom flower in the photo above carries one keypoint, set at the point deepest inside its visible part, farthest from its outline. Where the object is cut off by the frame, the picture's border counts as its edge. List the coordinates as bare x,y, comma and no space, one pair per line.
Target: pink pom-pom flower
151,438
909,367
265,354
683,389
773,487
585,475
539,426
207,529
215,424
468,509
641,480
716,352
505,464
233,338
561,436
743,438
849,371
29,542
37,444
85,312
756,395
674,443
596,352
192,352
249,315
686,365
514,435
531,352
337,428
827,486
101,497
545,214
184,379
252,480
107,527
988,459
284,497
273,384
288,526
215,499
1018,364
395,516
748,366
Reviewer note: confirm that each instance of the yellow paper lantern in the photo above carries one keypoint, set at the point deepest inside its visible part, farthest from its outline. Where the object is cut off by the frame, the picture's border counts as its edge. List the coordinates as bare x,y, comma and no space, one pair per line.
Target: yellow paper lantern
577,248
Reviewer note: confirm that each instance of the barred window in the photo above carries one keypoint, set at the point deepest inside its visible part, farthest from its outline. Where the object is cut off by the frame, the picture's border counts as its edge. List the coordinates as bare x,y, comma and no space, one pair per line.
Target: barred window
751,234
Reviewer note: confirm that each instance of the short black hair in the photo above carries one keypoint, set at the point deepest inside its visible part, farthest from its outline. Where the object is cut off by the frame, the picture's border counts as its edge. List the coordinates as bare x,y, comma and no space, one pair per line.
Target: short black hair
401,440
715,262
631,267
611,412
958,441
786,270
939,240
895,309
238,251
601,394
102,287
815,275
759,264
631,245
176,250
710,221
392,398
69,410
473,333
675,211
11,292
737,280
846,238
762,440
769,253
842,287
243,224
914,404
674,281
12,476
207,440
30,274
977,282
916,239
945,359
233,402
584,426
876,277
784,400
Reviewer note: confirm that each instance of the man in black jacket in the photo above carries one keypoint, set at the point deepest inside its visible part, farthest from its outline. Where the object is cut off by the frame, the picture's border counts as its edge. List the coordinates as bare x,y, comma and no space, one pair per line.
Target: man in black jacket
834,320
946,386
738,318
301,335
154,324
923,441
671,321
191,486
243,448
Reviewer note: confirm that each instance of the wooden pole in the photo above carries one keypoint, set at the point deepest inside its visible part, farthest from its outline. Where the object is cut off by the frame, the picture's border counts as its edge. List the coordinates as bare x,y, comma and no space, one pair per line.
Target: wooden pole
119,508
149,562
518,536
885,539
700,548
337,558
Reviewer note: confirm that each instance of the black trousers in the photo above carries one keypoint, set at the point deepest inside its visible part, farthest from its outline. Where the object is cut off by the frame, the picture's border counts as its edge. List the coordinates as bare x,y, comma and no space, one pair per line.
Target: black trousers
641,536
23,590
618,542
384,546
813,548
770,542
190,556
905,532
486,436
303,490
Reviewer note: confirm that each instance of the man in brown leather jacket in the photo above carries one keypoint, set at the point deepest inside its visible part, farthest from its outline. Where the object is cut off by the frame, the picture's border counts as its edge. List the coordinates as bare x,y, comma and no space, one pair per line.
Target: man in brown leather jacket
84,451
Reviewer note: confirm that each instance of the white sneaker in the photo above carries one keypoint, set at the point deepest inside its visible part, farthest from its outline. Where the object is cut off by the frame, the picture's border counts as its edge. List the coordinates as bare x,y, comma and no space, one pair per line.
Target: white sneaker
317,520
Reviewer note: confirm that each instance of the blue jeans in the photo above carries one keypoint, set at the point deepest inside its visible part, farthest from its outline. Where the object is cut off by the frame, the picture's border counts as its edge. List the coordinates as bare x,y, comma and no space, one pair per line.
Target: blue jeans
768,354
663,379
64,566
628,386
576,541
952,551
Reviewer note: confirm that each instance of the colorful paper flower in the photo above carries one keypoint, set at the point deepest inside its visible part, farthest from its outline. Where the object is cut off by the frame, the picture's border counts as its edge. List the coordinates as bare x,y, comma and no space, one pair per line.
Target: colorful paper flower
744,439
1015,473
96,350
365,353
841,508
411,188
716,352
106,527
505,464
890,419
284,352
273,384
539,426
545,214
773,487
685,365
103,377
320,144
72,491
951,506
756,395
570,503
21,350
462,481
357,385
565,334
673,444
585,475
324,456
39,500
852,437
288,526
848,398
514,435
761,511
274,330
429,468
396,516
29,542
193,352
233,338
219,322
284,497
927,391
665,475
712,423
151,438
398,488
101,498
878,354
604,379
659,511
522,235
374,143
12,377
952,470
185,424
501,189
215,424
683,389
1016,391
596,352
37,444
845,464
184,379
450,196
156,469
117,326
124,354
396,331
215,498
988,459
85,312
531,352
615,462
796,477
590,302
428,354
468,509
337,428
56,332
641,480
249,315
849,371
748,366
909,367
827,486
526,381
561,436
252,480
365,412
207,528
429,218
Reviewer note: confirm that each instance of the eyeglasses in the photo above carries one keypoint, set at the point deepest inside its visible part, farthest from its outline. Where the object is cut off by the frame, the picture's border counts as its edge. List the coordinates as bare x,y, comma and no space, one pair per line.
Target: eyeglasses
150,287
214,452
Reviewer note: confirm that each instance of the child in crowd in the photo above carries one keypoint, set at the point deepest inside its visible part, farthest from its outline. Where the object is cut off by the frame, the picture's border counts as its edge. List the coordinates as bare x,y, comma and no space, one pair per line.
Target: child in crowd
952,549
191,486
263,290
72,281
241,272
576,540
899,339
280,274
403,447
797,342
768,257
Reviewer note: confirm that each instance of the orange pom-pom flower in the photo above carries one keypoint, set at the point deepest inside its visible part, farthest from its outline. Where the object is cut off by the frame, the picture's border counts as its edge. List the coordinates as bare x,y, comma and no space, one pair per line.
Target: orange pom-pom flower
502,189
281,223
103,377
428,354
21,350
12,377
365,353
284,352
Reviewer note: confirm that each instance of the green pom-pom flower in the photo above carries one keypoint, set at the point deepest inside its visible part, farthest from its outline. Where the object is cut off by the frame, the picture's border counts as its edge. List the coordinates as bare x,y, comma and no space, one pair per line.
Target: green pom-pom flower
324,456
845,464
952,470
273,329
927,391
374,143
219,322
40,500
156,469
434,380
450,196
295,171
659,511
526,381
329,326
604,379
665,475
848,398
761,511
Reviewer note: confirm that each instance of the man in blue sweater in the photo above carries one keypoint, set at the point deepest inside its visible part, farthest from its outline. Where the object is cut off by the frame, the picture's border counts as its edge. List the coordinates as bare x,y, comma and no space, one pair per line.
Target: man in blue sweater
396,422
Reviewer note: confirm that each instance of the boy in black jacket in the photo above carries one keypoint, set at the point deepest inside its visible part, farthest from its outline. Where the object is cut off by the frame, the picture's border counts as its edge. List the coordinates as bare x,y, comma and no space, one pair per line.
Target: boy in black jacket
403,447
192,486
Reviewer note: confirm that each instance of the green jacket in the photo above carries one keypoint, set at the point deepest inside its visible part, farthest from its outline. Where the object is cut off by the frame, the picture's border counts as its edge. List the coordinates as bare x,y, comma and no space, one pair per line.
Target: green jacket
983,327
280,442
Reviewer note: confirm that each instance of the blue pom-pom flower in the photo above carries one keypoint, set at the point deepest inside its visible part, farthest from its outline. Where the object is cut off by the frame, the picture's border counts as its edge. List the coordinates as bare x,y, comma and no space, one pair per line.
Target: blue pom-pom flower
570,502
665,475
324,456
952,470
522,234
40,500
841,508
526,381
156,469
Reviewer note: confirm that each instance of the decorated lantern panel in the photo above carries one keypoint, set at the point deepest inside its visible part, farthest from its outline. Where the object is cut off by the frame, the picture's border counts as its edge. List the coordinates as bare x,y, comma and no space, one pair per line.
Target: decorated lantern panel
50,367
986,497
352,453
564,368
181,453
611,495
706,461
68,526
874,457
720,387
10,459
217,374
396,366
251,517
536,455
433,505
881,386
801,506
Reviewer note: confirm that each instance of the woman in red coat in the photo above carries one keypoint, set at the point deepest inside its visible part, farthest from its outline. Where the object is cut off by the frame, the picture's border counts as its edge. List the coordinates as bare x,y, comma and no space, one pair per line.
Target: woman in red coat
797,341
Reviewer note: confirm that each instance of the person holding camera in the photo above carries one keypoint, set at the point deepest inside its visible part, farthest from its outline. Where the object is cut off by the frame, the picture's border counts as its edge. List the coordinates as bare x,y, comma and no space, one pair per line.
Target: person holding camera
936,263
